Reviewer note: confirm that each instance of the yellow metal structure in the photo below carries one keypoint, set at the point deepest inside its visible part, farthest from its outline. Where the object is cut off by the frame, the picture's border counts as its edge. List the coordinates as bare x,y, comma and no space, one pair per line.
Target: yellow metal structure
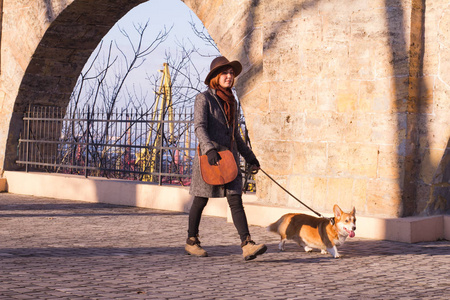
163,105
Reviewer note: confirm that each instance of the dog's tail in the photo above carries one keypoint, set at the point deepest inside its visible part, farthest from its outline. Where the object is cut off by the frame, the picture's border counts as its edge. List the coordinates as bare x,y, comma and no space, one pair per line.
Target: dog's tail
274,226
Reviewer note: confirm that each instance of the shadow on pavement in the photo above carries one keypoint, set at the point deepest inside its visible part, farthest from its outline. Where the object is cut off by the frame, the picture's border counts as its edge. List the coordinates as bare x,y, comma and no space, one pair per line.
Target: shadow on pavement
77,210
88,252
368,248
293,253
79,214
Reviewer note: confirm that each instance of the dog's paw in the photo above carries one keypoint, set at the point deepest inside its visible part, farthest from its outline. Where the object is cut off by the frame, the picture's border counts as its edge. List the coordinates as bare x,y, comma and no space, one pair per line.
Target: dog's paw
308,249
323,252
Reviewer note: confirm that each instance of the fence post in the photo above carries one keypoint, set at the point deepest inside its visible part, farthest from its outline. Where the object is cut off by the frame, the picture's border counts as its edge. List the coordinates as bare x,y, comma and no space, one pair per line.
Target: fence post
28,138
86,159
161,151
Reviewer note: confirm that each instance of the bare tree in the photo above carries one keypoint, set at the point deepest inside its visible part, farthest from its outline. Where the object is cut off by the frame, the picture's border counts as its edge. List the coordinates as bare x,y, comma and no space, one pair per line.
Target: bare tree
103,83
104,90
203,35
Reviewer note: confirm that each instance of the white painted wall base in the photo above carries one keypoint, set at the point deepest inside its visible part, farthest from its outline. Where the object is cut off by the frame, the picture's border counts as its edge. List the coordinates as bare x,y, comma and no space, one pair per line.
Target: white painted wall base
103,190
175,198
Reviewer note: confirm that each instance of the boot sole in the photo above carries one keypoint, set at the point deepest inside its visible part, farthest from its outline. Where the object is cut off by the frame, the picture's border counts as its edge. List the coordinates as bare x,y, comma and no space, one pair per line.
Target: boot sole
203,255
196,251
254,255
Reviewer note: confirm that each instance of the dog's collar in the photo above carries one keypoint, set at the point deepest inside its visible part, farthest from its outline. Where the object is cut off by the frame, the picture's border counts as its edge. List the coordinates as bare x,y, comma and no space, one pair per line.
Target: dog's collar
332,221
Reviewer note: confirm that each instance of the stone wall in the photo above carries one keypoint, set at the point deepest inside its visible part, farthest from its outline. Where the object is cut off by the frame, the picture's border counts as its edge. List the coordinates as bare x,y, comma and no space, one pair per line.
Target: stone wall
334,121
23,24
346,102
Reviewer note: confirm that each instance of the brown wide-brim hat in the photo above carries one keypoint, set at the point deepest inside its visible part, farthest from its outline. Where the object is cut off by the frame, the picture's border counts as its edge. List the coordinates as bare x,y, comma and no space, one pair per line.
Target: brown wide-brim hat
218,64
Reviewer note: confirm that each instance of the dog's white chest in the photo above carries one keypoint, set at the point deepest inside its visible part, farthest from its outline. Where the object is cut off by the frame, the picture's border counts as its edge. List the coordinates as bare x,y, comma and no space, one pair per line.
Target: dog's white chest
340,240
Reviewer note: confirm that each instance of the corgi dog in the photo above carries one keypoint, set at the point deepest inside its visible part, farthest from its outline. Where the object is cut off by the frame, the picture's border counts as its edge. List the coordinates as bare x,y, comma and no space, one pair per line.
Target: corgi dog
320,233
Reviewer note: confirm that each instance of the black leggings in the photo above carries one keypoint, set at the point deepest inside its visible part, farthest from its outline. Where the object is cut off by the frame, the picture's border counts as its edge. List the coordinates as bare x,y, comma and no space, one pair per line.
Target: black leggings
237,213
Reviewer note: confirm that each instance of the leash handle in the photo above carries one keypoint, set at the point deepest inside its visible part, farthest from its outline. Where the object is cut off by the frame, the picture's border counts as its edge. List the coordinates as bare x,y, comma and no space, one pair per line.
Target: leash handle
290,194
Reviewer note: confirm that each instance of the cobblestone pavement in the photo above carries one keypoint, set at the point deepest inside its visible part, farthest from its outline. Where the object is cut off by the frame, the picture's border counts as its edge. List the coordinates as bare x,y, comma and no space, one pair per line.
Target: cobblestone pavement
60,249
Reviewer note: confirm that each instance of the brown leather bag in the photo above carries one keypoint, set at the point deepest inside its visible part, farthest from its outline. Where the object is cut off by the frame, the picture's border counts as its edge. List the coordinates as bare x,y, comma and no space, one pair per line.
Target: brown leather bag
225,171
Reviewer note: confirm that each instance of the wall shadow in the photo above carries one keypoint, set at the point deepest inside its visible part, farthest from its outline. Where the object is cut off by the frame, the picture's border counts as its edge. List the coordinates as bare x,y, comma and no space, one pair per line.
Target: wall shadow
440,191
407,65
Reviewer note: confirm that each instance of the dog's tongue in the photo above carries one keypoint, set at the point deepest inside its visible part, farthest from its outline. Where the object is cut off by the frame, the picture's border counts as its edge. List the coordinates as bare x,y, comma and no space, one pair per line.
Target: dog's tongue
351,233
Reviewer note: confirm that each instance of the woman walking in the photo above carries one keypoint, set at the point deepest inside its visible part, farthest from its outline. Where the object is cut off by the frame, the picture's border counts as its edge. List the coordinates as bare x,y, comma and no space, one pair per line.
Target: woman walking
216,127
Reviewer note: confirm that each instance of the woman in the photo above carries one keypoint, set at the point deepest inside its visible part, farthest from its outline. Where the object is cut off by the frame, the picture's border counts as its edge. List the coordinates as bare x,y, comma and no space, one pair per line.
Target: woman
216,127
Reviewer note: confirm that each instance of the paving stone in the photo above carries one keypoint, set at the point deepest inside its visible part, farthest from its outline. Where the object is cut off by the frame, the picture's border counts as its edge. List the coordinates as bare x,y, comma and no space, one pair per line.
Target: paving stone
56,249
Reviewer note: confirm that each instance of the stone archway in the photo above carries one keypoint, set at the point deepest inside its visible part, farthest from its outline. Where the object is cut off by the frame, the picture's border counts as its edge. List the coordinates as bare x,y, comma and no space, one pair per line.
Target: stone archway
64,34
344,103
57,39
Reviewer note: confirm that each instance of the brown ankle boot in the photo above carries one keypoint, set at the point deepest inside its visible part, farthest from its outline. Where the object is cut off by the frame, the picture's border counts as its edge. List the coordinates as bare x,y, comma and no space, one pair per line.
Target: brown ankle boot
193,247
250,249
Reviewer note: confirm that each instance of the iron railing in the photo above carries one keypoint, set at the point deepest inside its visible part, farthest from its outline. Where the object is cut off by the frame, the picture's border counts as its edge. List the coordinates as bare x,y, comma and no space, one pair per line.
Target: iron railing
121,144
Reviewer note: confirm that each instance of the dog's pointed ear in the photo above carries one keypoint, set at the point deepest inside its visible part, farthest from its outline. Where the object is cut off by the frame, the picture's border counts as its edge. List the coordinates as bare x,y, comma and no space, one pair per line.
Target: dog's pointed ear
353,211
337,211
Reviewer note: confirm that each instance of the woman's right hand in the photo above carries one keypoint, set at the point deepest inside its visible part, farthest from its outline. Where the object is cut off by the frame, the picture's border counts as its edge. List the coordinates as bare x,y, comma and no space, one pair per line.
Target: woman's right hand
213,157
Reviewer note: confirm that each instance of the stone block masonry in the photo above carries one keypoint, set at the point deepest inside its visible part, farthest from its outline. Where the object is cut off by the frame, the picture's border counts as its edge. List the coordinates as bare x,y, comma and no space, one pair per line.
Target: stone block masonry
344,111
345,104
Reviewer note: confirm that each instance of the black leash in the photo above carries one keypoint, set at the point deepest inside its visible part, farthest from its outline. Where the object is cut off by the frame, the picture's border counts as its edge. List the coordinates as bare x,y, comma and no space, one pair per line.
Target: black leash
290,194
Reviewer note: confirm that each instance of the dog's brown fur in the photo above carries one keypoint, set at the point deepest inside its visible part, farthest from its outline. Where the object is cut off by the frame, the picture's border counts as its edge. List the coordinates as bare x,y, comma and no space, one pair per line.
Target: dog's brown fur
311,232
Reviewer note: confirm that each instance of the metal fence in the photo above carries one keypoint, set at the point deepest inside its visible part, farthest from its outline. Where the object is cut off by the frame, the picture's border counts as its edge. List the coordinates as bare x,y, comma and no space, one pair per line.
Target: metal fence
121,144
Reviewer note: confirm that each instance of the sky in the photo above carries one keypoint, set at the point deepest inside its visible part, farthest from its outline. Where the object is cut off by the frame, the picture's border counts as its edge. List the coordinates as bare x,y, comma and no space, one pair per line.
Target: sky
159,14
162,13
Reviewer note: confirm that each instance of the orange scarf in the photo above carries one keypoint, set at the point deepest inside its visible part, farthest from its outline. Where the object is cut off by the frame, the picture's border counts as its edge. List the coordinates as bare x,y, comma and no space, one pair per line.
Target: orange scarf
229,105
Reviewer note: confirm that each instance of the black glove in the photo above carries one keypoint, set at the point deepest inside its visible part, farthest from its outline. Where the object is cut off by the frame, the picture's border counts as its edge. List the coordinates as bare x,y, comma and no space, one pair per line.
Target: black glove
254,166
254,162
213,157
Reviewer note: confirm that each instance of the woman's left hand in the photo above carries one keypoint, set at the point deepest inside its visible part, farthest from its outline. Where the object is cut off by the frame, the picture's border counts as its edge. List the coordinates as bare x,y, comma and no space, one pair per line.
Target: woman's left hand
254,165
254,162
